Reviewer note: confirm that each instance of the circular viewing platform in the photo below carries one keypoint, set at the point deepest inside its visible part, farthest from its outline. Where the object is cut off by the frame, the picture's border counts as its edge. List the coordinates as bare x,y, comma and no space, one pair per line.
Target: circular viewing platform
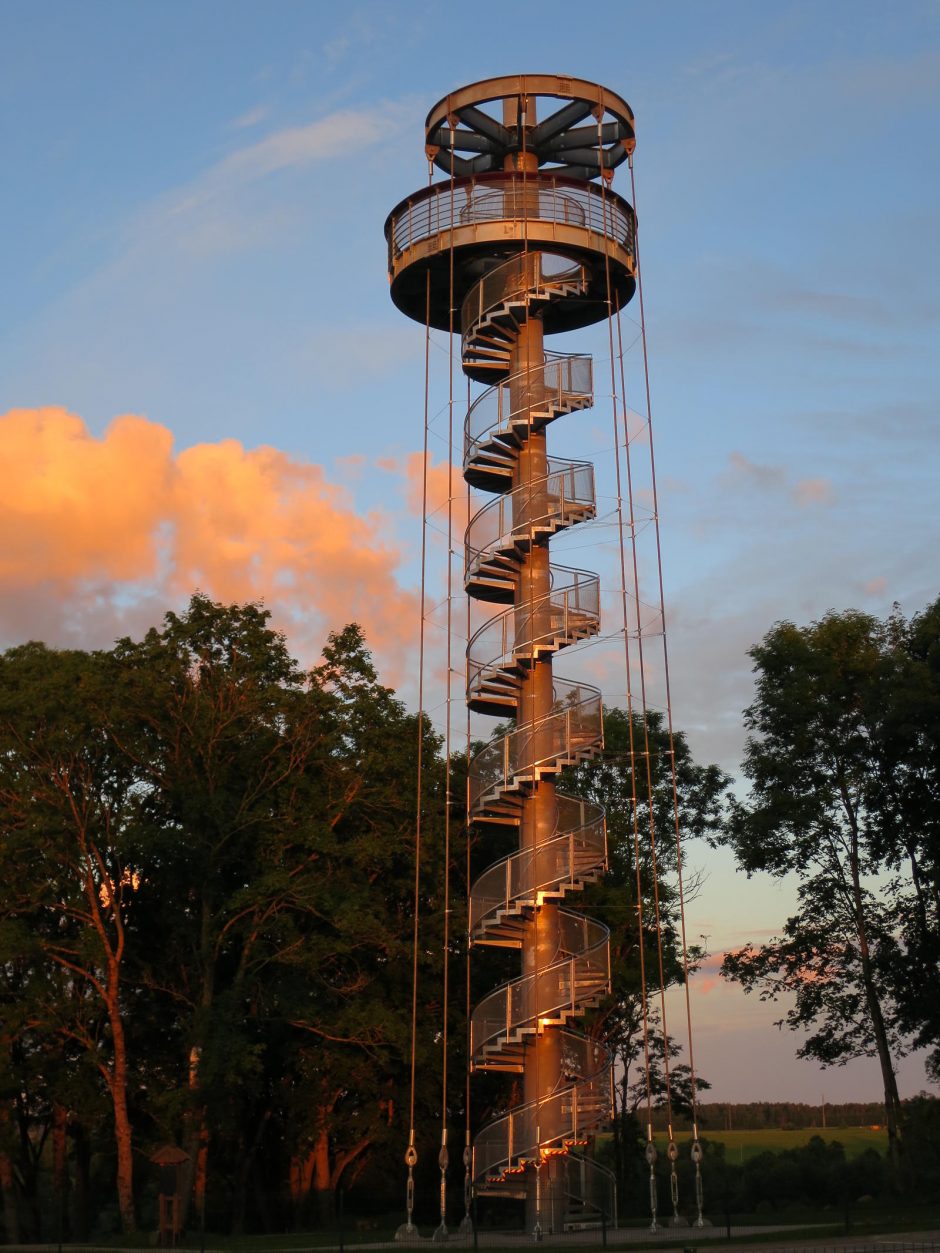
483,219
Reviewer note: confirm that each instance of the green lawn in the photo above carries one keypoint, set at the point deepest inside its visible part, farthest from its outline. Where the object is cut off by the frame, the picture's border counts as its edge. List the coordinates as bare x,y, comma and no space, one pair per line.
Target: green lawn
741,1145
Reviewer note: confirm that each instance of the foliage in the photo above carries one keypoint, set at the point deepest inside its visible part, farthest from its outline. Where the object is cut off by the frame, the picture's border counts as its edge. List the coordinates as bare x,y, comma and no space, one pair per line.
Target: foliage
207,905
842,760
206,908
639,900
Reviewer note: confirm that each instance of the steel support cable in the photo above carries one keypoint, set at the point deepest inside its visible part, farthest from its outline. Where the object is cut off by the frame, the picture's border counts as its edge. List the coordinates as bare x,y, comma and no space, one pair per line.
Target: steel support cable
466,1223
650,1152
672,1150
644,1002
407,1230
440,1233
696,1146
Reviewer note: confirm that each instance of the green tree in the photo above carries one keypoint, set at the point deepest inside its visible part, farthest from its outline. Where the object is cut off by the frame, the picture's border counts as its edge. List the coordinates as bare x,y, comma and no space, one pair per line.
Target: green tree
68,874
633,780
278,812
347,988
904,802
222,737
836,800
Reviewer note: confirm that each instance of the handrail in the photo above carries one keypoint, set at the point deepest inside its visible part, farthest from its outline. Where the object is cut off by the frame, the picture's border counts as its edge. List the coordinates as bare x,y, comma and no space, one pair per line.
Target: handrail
527,277
569,612
560,990
566,1114
548,198
564,379
528,876
573,729
508,520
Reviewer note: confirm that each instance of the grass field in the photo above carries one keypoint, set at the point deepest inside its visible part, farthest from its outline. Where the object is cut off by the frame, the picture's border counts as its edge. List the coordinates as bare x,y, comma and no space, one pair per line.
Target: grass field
741,1145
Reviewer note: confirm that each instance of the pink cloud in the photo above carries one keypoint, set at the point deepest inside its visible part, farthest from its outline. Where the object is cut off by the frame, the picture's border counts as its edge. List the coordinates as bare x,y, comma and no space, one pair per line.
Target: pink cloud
93,529
813,492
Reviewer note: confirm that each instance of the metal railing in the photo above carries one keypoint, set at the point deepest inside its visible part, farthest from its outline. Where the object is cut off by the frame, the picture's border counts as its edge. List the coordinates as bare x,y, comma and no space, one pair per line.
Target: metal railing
548,997
561,383
542,505
573,731
528,876
571,611
565,1117
547,199
522,280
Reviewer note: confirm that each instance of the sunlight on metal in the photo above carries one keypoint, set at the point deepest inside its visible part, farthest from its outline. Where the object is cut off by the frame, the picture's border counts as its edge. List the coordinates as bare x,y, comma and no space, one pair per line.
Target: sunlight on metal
520,242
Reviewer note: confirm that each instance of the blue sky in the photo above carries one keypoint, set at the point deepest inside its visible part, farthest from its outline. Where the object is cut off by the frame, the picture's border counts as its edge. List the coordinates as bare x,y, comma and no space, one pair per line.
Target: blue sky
192,216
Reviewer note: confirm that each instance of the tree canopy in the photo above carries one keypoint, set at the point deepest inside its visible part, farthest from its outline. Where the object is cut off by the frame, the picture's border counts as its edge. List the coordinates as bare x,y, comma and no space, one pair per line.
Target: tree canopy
207,884
843,759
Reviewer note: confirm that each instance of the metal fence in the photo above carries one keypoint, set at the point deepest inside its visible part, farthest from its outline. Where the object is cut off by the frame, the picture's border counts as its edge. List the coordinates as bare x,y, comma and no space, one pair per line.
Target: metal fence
353,1235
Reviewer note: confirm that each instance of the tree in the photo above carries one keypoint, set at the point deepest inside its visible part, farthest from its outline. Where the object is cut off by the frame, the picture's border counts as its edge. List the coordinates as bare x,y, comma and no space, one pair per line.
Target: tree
837,799
279,809
347,988
206,914
223,739
904,801
68,877
641,807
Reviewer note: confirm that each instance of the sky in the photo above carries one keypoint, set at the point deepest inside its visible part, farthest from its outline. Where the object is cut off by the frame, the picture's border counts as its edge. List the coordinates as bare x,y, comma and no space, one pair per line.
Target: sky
203,383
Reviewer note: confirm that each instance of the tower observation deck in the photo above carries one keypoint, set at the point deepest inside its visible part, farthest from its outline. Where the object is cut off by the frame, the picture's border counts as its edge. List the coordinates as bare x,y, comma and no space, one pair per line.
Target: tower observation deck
523,238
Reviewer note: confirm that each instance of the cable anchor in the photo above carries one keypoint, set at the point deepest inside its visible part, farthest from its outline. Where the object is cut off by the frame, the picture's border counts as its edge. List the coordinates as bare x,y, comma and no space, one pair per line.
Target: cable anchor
466,1223
441,1234
672,1152
650,1155
697,1156
407,1230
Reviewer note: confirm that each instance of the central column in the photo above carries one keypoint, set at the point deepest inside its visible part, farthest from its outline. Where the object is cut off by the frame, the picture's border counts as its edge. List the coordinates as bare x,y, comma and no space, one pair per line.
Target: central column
542,1064
533,621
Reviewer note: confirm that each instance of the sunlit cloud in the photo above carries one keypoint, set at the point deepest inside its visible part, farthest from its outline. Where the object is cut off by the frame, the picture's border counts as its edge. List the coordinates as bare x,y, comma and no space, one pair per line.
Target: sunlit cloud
97,534
818,491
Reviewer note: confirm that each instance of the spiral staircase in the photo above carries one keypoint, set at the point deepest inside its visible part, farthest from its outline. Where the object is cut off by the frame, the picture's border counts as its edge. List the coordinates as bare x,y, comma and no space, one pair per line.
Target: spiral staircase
521,241
505,776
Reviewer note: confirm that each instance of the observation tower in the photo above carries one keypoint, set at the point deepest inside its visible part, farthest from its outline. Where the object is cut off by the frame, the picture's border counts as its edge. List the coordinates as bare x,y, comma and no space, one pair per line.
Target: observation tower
524,238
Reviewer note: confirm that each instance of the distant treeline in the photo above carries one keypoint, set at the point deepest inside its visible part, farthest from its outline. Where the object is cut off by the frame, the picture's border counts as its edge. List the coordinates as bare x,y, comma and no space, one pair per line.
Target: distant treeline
759,1115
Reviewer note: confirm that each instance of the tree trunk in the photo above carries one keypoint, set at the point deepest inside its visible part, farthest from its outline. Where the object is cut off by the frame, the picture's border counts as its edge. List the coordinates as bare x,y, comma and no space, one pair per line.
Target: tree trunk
243,1174
196,1139
879,1030
82,1153
301,1176
322,1184
202,1172
239,1200
11,1211
123,1133
60,1171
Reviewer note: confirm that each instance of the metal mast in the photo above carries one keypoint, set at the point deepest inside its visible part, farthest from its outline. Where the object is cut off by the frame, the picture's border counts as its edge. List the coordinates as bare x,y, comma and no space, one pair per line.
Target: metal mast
521,241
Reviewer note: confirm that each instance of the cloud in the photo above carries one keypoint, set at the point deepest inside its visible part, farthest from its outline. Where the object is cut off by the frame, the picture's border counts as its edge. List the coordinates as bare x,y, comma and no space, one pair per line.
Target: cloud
441,485
817,491
251,118
774,478
290,148
230,204
752,472
101,535
707,974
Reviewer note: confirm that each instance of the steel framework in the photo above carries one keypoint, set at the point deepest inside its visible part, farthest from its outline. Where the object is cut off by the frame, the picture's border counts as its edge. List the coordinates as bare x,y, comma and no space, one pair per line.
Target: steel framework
520,241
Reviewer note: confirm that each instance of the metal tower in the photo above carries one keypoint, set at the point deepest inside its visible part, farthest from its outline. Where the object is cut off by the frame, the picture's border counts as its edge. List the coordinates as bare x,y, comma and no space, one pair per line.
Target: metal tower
523,239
